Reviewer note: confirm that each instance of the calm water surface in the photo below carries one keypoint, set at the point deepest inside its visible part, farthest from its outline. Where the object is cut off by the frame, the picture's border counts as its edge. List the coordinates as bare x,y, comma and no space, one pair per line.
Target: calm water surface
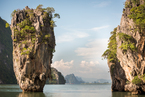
65,91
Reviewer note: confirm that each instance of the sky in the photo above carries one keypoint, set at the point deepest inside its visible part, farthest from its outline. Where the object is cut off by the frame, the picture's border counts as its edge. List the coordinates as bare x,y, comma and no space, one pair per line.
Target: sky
81,34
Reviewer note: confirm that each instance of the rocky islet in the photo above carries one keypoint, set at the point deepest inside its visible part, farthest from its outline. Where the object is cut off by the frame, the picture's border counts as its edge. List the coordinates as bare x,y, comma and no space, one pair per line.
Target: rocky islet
128,66
33,46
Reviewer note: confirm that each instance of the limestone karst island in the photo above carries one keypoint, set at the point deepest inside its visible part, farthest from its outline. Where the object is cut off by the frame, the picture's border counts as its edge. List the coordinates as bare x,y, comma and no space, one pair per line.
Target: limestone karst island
27,45
126,50
33,46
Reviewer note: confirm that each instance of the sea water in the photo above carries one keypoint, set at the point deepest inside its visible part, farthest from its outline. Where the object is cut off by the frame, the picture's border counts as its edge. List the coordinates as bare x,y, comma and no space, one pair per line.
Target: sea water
65,91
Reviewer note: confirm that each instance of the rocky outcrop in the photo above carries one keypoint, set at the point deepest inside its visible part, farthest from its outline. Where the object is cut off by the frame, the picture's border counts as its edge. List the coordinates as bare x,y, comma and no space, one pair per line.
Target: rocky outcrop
129,70
33,45
57,77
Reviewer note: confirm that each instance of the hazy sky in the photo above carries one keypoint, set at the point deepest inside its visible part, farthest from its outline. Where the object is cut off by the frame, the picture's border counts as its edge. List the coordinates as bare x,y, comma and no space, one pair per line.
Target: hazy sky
81,34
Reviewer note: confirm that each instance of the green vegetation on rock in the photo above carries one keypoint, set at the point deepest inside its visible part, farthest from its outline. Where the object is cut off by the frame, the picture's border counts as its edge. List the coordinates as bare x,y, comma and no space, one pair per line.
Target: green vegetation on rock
128,5
12,14
143,77
137,13
135,1
110,53
128,42
136,80
7,25
25,29
48,12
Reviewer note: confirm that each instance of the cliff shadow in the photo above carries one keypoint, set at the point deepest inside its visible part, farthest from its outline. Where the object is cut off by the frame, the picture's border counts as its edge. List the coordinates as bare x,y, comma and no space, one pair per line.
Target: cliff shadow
118,76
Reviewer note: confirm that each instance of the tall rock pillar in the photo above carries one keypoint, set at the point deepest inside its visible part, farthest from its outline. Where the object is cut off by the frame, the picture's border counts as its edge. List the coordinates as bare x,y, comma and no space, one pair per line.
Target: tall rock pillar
33,46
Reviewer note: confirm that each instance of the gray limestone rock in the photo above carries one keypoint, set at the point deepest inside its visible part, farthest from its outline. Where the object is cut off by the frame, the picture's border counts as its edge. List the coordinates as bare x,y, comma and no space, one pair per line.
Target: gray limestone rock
33,45
132,63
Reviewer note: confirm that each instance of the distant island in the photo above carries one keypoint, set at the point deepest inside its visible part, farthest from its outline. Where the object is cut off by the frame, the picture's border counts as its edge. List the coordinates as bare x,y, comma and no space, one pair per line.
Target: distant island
57,77
96,83
72,79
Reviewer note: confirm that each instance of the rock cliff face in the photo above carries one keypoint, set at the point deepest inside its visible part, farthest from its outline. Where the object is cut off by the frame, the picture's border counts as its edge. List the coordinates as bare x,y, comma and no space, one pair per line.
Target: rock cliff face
33,45
129,68
132,61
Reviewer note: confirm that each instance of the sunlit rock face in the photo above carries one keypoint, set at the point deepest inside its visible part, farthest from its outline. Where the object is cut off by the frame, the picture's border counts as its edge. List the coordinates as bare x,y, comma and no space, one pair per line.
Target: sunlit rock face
131,61
33,46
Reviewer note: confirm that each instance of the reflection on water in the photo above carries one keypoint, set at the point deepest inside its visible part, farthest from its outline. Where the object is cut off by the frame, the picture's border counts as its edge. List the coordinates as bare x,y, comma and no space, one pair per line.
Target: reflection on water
125,94
65,91
31,94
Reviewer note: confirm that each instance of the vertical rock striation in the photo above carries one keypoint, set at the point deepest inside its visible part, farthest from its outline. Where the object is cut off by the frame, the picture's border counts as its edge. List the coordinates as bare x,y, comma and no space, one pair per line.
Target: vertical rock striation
33,45
129,68
132,61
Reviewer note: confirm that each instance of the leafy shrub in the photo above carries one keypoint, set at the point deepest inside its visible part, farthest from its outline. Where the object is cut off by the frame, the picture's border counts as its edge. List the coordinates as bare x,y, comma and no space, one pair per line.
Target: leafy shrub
136,80
138,16
14,40
143,77
24,42
128,42
56,15
135,1
39,6
7,25
128,5
110,53
52,23
47,36
12,14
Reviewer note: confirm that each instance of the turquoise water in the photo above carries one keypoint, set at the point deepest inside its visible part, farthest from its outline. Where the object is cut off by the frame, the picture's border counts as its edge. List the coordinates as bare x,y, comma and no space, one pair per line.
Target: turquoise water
65,91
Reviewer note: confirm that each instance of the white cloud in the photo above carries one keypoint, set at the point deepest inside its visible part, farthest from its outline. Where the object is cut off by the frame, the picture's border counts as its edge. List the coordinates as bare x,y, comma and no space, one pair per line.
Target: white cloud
99,28
85,69
64,38
81,34
72,35
69,67
89,68
61,65
94,49
85,64
92,69
102,4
